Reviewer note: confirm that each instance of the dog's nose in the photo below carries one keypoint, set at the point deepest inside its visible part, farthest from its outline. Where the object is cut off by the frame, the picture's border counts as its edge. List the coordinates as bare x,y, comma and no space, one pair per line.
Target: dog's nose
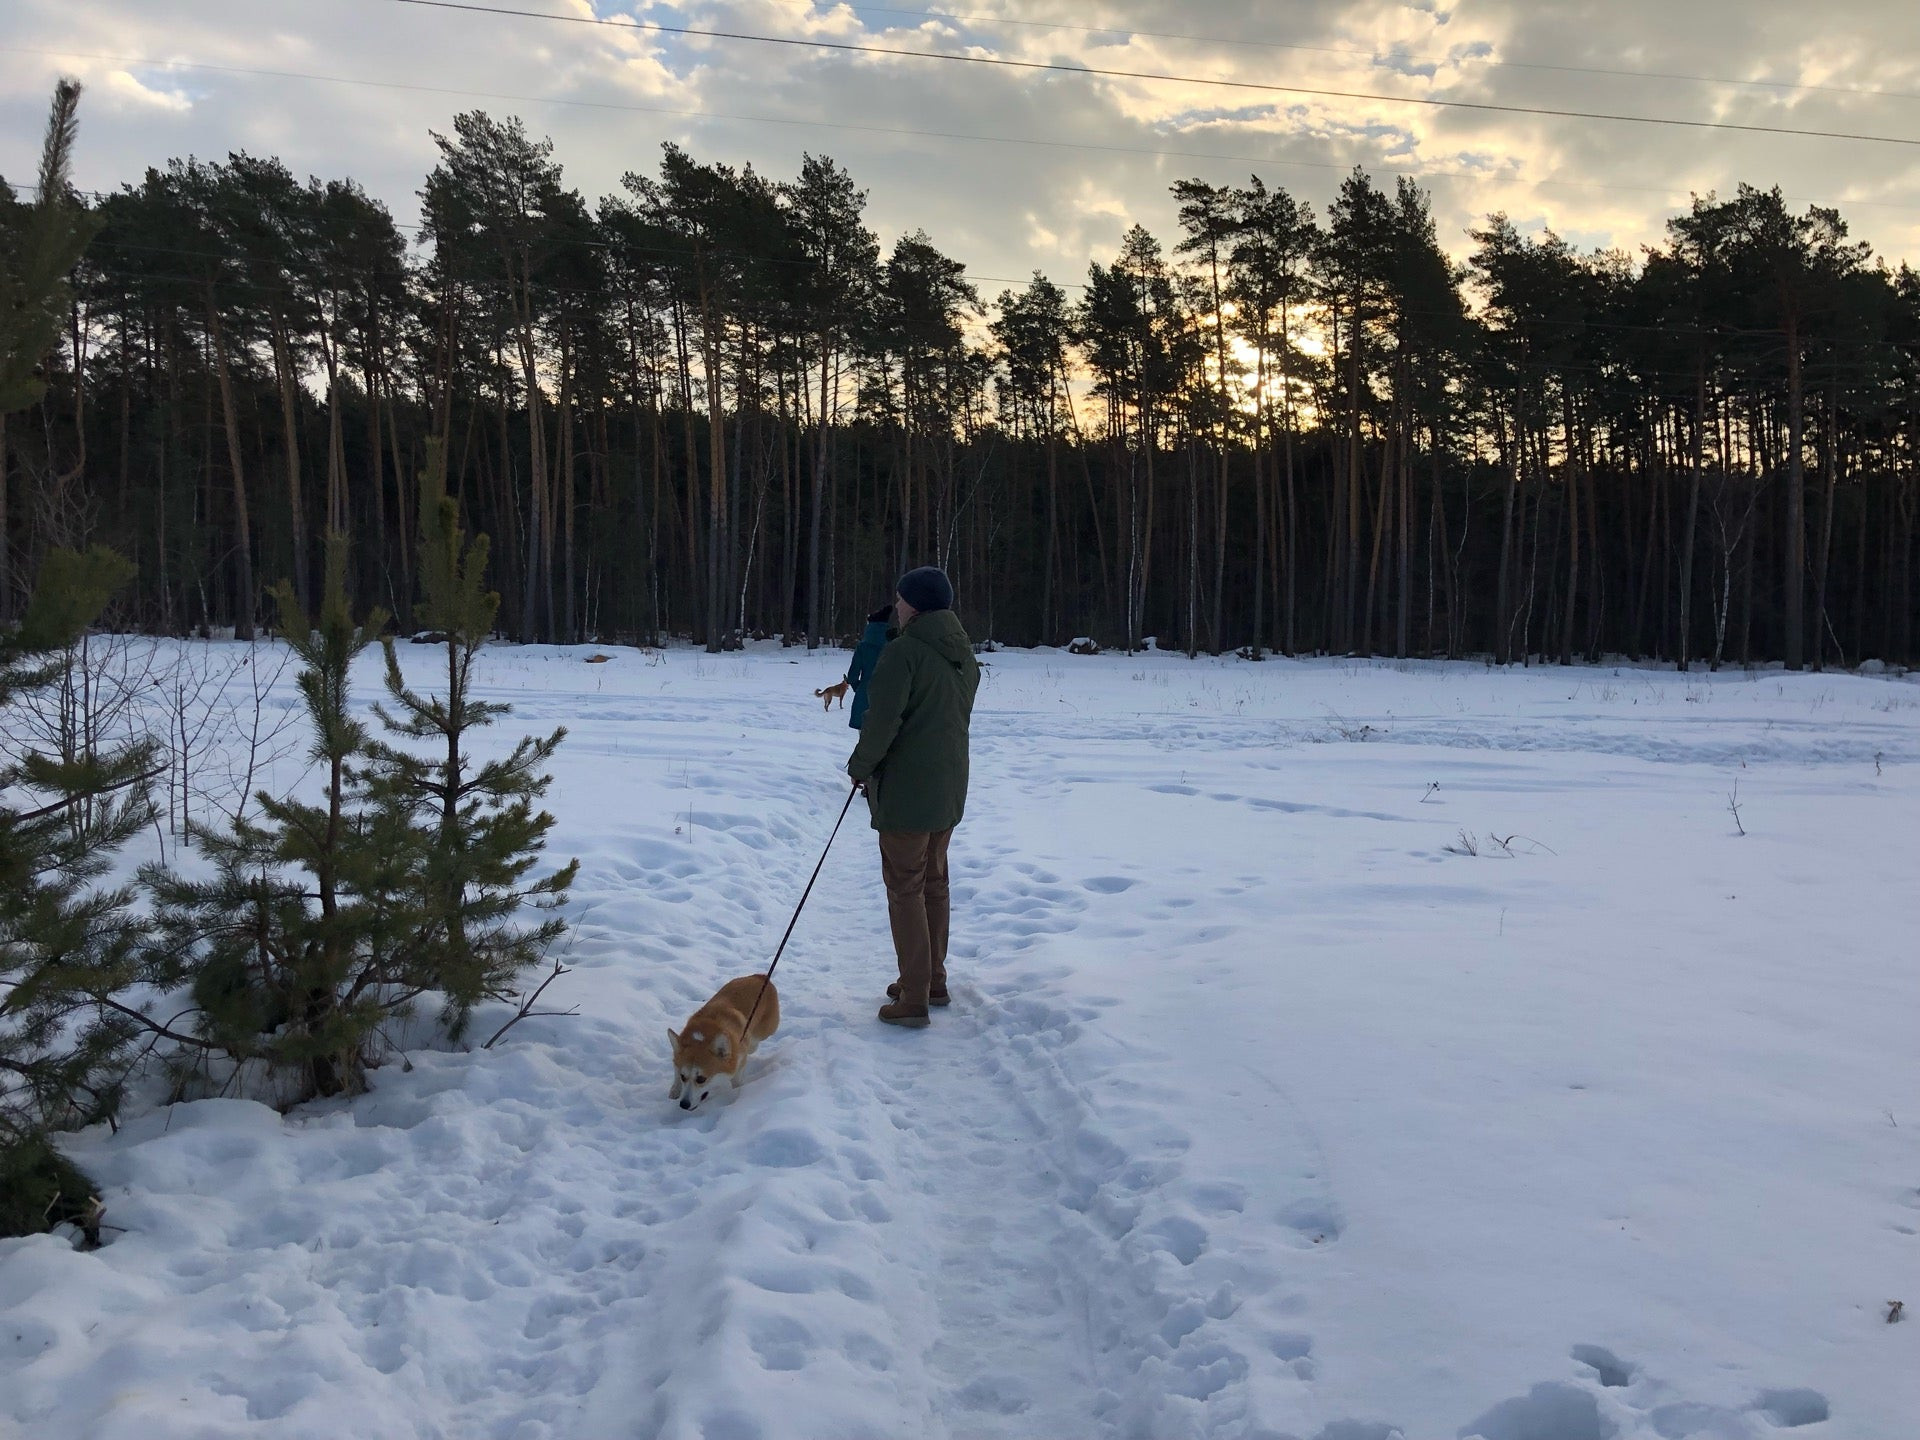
686,1104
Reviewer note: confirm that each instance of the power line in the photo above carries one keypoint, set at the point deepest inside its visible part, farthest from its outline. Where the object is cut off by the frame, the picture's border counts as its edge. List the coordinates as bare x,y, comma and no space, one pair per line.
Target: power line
684,112
1241,42
708,114
1045,66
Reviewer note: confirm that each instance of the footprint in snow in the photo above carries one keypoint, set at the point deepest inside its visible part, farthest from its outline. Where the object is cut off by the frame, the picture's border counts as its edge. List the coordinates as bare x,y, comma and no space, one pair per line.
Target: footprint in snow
997,1395
1791,1409
1614,1372
1206,1370
1294,1350
1313,1223
730,1425
1555,1410
785,1150
1363,1430
780,1343
1184,1239
1220,1198
1550,1409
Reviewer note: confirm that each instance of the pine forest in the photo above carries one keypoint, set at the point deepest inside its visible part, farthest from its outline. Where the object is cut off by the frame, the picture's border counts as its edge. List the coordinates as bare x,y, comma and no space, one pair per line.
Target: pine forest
716,405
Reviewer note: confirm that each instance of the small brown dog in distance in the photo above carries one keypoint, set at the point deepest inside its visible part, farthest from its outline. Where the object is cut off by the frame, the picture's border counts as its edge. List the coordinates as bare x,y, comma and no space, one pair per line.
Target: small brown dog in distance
826,697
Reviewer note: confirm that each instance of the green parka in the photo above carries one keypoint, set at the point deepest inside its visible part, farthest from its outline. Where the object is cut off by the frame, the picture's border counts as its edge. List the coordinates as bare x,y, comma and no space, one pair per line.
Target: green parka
912,753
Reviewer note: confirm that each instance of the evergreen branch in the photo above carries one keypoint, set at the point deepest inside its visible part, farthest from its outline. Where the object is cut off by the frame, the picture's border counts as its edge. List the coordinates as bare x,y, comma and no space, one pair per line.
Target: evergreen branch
147,1022
67,802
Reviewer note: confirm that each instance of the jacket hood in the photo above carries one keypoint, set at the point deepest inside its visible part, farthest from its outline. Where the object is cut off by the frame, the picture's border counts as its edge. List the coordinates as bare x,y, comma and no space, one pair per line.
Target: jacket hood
876,631
942,632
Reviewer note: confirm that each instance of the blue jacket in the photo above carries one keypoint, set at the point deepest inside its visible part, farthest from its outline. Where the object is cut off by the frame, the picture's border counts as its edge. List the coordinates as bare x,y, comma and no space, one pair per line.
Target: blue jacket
860,670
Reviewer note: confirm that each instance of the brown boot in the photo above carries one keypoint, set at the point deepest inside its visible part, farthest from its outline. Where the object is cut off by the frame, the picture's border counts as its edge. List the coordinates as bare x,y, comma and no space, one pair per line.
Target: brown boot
937,996
914,1017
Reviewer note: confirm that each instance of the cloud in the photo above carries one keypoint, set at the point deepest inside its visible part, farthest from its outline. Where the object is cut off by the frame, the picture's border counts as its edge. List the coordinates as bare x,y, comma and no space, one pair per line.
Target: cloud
1006,208
129,89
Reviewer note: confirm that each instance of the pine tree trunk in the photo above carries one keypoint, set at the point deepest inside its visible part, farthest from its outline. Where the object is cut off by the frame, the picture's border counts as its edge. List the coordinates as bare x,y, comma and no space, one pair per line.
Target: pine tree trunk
339,510
1830,468
1656,503
1796,521
1292,519
1690,532
1048,630
791,441
1382,520
1259,500
819,506
1503,589
377,494
403,548
1436,541
243,528
717,474
1349,594
656,427
289,386
530,626
1218,633
1405,478
1146,536
1572,491
1193,552
563,487
6,532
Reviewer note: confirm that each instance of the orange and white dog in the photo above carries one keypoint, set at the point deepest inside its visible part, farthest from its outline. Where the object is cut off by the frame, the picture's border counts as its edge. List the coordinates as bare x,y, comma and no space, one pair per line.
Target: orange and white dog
832,693
717,1041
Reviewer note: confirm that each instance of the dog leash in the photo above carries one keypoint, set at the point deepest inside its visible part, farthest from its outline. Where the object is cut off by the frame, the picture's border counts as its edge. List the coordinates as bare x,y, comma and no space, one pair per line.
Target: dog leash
767,979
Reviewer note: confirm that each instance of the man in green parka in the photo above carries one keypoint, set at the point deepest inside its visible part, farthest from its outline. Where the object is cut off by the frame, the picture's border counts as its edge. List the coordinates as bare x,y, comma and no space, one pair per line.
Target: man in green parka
912,763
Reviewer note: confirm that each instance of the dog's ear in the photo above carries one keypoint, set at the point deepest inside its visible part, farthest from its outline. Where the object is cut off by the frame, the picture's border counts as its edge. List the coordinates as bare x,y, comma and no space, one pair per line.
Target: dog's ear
721,1045
673,1039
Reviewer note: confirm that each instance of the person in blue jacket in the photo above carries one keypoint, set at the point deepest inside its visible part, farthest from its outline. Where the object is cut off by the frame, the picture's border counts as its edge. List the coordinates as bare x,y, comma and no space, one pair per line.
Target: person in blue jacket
865,656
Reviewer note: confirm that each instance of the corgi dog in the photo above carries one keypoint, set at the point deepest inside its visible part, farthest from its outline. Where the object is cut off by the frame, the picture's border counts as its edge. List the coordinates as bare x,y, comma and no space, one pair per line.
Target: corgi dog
827,696
716,1042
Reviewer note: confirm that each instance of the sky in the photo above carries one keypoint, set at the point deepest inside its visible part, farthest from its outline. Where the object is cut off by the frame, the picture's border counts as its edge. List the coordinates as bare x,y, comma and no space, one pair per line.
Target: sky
1009,170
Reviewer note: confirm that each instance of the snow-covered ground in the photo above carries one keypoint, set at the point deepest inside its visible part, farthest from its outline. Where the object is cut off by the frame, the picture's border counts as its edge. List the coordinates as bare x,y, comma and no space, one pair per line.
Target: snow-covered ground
1263,1108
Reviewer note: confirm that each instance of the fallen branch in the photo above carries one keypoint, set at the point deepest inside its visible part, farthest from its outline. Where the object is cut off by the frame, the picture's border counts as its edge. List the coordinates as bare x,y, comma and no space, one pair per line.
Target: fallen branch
526,1010
1506,844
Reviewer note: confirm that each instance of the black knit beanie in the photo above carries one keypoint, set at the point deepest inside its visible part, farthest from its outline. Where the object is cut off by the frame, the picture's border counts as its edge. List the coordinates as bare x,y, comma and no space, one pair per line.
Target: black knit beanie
926,589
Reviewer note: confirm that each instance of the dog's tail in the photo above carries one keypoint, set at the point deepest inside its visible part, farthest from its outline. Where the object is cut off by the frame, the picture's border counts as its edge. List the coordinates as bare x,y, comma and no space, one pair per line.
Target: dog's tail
818,693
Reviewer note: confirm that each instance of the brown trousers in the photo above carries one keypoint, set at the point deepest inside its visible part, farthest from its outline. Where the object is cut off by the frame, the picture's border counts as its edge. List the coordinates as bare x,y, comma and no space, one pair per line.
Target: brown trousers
914,866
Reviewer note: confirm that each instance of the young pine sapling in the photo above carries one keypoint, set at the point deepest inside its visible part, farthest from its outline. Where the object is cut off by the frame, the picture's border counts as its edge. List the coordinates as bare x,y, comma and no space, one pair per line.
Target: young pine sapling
479,833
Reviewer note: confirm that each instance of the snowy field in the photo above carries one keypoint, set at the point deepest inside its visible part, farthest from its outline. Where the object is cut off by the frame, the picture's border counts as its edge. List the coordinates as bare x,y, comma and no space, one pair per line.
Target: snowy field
1264,1107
